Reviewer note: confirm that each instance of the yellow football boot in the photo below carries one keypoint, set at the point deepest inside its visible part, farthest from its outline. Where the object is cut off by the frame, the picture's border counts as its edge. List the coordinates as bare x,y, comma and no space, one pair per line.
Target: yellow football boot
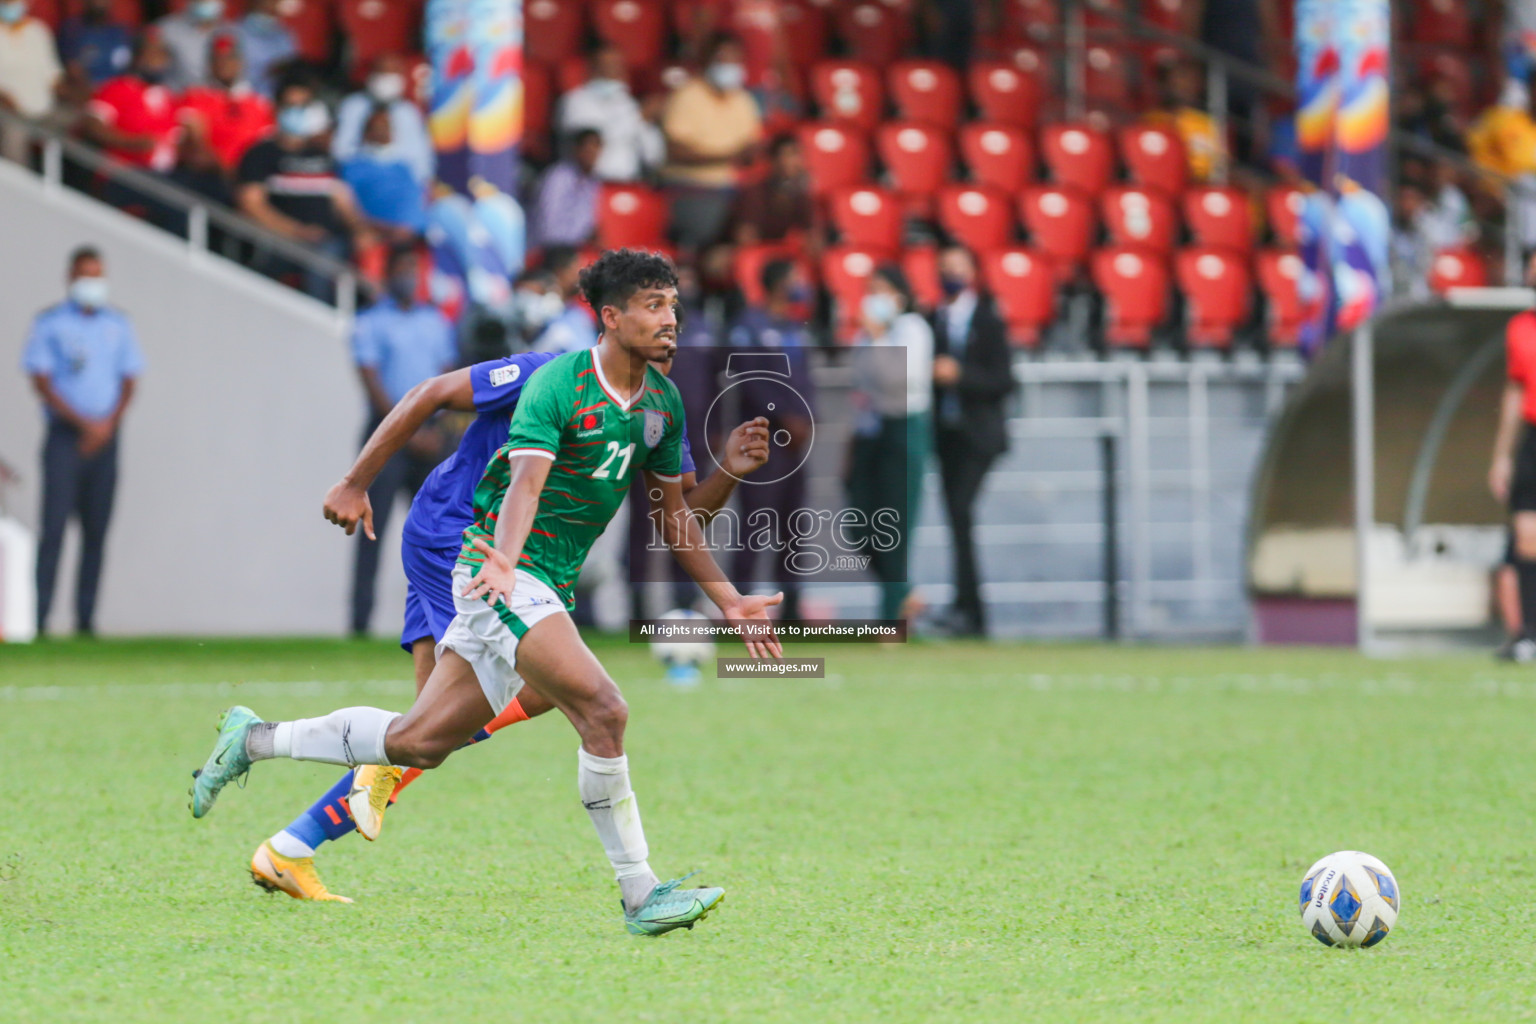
296,877
372,786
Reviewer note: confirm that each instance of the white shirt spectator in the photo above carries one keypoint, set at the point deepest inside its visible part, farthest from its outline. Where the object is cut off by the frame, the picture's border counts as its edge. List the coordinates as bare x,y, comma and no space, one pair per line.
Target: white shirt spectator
631,144
408,133
29,66
892,397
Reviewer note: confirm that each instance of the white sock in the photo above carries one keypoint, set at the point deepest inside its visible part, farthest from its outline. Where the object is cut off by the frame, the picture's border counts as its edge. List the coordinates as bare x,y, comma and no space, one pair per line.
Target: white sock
615,813
291,846
349,737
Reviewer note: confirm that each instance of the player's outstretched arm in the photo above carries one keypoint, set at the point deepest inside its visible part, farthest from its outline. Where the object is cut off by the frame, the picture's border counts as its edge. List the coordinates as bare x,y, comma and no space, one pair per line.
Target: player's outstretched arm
680,529
346,503
514,519
1502,469
746,450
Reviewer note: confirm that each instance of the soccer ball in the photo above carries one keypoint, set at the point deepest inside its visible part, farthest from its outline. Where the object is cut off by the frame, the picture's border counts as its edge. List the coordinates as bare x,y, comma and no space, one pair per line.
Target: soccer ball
683,658
1349,899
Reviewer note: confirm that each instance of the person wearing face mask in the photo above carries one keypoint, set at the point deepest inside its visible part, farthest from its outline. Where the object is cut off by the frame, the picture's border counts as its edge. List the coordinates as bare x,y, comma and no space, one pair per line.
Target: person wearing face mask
135,118
187,34
84,361
892,429
576,326
972,377
387,192
713,128
397,343
268,45
387,86
632,146
288,184
30,73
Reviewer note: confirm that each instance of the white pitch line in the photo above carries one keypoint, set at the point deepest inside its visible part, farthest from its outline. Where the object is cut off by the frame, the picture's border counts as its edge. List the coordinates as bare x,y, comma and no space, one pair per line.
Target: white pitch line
259,688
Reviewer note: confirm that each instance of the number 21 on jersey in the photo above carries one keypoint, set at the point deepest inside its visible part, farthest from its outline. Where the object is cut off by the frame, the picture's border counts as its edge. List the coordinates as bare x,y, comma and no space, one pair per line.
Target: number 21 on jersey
615,452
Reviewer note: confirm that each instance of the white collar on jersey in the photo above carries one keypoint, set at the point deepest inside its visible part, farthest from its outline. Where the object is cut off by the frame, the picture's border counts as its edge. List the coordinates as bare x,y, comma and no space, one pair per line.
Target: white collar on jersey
611,391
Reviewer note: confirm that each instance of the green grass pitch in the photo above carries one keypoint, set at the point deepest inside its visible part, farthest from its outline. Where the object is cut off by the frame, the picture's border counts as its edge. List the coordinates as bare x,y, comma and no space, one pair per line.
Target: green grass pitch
932,833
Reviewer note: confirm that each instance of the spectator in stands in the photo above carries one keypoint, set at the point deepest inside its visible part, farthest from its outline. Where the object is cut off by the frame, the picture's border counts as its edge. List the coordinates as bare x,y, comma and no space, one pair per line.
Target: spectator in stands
84,361
778,324
380,177
387,87
712,128
779,208
188,34
1183,110
565,212
1248,31
225,117
633,147
287,183
972,377
30,74
892,428
949,31
268,45
397,343
576,326
1503,140
94,46
134,117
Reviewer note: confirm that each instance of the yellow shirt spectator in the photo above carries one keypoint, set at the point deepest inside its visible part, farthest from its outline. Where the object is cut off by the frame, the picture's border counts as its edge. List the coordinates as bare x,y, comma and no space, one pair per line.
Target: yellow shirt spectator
706,122
1203,145
1503,138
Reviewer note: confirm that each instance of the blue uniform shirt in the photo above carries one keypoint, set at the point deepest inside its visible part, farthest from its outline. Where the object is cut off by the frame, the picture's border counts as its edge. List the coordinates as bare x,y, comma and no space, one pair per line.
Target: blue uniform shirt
445,504
406,346
103,49
85,355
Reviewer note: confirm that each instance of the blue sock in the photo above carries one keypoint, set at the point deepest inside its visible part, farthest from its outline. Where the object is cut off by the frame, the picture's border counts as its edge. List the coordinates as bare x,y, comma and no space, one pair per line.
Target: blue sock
327,819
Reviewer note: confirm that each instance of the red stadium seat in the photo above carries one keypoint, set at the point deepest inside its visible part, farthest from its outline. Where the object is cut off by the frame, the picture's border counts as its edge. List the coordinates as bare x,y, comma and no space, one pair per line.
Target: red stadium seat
126,12
313,24
1135,288
1219,216
631,215
999,155
537,100
1030,19
1457,268
750,261
1452,68
1061,223
376,27
1139,216
553,30
1283,204
805,25
867,217
1279,279
1441,23
1107,77
1004,93
638,28
925,91
1078,155
976,216
1167,15
871,31
921,265
1218,289
848,91
1105,14
835,156
918,158
1155,157
845,272
1024,283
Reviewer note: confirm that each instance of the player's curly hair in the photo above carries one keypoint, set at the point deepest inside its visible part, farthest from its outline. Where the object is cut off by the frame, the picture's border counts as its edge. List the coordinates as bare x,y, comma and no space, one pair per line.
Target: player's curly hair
618,273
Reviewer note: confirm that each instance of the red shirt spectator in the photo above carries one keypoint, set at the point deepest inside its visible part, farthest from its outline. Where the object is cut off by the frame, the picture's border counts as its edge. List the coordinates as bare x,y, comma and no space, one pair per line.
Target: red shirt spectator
134,107
227,114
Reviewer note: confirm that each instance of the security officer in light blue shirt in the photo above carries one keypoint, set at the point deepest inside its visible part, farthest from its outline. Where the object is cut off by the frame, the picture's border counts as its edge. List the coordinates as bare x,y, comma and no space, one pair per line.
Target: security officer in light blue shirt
397,343
84,360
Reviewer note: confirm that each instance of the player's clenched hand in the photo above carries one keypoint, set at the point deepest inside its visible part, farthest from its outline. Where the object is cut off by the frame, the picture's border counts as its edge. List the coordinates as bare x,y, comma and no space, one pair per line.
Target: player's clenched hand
754,608
496,577
746,449
1499,476
346,505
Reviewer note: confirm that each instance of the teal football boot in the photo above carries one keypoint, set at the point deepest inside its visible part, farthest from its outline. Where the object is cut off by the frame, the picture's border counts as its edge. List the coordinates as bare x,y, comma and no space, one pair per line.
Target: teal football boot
228,761
668,907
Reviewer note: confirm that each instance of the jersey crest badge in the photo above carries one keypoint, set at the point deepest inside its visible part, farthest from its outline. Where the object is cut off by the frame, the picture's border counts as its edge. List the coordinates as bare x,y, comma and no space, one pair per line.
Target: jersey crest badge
654,425
503,375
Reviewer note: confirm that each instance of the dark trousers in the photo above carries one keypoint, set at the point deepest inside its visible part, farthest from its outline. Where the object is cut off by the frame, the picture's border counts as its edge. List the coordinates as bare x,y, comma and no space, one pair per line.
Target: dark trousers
963,468
74,485
405,472
782,498
886,472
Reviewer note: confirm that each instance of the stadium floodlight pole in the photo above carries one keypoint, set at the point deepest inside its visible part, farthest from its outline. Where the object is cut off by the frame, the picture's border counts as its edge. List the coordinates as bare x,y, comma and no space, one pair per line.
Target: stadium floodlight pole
1362,408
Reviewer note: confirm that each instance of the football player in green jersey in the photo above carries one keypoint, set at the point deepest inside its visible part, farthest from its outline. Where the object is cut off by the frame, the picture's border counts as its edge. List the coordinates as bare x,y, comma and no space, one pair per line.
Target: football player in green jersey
583,425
